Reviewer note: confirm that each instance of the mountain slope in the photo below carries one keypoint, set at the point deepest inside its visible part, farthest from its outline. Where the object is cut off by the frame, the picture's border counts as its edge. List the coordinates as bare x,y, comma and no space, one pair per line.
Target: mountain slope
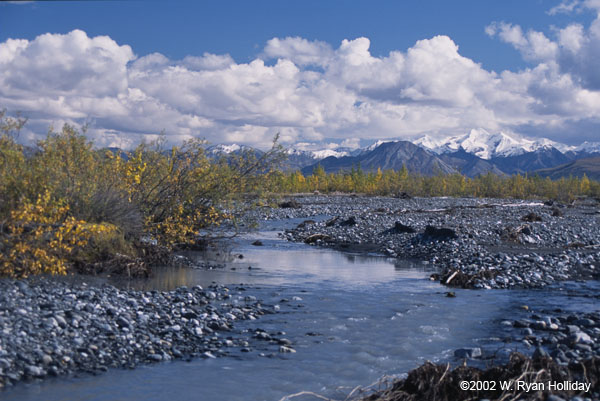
388,155
469,164
589,166
539,159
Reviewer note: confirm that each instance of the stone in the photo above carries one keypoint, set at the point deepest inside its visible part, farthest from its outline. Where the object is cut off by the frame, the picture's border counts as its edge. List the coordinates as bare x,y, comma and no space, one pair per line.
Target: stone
438,234
154,357
35,371
468,352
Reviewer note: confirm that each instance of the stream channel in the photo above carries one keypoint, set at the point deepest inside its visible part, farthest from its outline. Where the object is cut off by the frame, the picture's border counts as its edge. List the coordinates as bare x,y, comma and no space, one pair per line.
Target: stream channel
367,316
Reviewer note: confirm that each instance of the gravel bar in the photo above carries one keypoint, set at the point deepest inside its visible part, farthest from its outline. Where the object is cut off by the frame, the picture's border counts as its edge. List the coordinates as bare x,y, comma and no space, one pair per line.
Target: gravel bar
472,242
51,328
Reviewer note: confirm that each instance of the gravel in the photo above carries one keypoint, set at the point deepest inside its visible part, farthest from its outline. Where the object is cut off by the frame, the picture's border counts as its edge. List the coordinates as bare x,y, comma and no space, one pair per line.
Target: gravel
473,243
50,328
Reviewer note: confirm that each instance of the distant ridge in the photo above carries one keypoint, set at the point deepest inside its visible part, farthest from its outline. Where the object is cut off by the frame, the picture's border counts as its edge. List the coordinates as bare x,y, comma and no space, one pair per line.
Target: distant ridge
388,155
589,166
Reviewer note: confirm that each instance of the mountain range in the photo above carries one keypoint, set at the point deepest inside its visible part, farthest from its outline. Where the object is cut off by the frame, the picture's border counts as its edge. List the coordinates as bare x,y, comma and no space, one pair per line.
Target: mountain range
475,153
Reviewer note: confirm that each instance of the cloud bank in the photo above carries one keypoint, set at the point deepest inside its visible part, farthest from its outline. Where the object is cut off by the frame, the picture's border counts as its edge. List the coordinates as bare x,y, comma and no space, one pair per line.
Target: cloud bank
308,91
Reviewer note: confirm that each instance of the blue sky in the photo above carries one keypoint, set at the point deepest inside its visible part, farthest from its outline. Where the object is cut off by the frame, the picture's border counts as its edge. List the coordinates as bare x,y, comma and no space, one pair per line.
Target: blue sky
178,28
454,66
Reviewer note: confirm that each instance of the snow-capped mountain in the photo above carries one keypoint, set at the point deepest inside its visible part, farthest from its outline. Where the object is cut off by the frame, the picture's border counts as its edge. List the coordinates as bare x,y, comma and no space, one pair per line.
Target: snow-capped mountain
474,153
317,154
588,147
227,149
486,145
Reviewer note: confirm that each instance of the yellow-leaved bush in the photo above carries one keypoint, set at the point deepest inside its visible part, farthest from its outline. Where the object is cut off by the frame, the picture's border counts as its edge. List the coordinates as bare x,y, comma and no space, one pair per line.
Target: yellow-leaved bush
64,204
42,236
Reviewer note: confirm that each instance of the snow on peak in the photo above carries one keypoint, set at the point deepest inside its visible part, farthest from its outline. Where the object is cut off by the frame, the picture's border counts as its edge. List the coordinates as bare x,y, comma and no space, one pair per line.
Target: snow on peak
321,154
439,146
317,154
225,148
487,145
376,144
588,147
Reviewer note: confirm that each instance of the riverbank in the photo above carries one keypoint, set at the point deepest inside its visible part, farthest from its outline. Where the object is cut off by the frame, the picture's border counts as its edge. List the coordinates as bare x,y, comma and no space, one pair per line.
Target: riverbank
415,319
54,328
473,243
521,378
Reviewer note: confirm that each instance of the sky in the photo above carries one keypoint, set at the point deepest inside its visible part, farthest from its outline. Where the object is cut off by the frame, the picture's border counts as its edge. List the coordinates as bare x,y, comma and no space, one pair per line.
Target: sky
320,73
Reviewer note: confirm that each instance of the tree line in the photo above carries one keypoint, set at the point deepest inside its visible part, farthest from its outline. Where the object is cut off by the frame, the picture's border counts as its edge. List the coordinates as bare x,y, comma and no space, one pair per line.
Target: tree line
392,182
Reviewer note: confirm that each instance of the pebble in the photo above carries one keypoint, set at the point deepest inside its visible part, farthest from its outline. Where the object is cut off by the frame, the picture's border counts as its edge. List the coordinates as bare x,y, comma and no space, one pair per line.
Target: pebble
60,328
482,226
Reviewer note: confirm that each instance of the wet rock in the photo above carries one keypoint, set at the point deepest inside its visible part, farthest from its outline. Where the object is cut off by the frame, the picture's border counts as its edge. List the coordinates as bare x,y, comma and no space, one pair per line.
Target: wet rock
540,353
468,353
306,223
317,237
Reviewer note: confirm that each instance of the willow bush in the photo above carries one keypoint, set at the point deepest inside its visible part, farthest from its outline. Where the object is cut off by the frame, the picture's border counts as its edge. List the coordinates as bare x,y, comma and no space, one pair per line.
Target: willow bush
65,204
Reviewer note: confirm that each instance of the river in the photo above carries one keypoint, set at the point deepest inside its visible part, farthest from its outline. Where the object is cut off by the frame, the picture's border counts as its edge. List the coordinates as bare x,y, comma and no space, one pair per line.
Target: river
351,318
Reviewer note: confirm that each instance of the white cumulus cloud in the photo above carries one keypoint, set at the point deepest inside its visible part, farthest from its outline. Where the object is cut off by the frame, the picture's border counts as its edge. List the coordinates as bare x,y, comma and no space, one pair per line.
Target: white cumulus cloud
307,91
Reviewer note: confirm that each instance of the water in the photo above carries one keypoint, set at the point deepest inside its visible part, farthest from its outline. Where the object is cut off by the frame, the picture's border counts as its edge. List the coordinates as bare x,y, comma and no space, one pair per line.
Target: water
368,316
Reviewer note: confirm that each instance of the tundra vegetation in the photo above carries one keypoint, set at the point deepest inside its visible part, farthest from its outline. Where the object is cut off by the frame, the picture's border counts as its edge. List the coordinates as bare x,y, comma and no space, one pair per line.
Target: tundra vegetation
65,206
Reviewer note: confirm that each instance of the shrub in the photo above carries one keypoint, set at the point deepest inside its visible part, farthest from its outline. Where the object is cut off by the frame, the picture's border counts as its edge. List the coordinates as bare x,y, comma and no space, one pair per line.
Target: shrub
68,204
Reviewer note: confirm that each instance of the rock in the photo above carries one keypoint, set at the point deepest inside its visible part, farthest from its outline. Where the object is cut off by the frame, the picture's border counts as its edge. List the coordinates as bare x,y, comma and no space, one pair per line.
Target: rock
317,237
291,204
331,222
438,234
468,352
306,223
402,195
257,243
540,353
350,221
451,294
154,357
401,228
580,338
35,371
531,217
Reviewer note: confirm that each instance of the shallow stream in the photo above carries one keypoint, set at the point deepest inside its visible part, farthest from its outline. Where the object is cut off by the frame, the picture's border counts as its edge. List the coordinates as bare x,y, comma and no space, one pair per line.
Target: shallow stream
367,316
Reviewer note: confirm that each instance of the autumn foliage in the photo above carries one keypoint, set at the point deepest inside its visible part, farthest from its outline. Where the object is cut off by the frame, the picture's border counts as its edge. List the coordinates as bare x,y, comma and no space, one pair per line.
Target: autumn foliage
66,204
392,182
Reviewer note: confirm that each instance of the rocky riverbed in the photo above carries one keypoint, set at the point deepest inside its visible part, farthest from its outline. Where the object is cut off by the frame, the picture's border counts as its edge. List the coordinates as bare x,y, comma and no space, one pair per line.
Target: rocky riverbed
51,328
474,243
